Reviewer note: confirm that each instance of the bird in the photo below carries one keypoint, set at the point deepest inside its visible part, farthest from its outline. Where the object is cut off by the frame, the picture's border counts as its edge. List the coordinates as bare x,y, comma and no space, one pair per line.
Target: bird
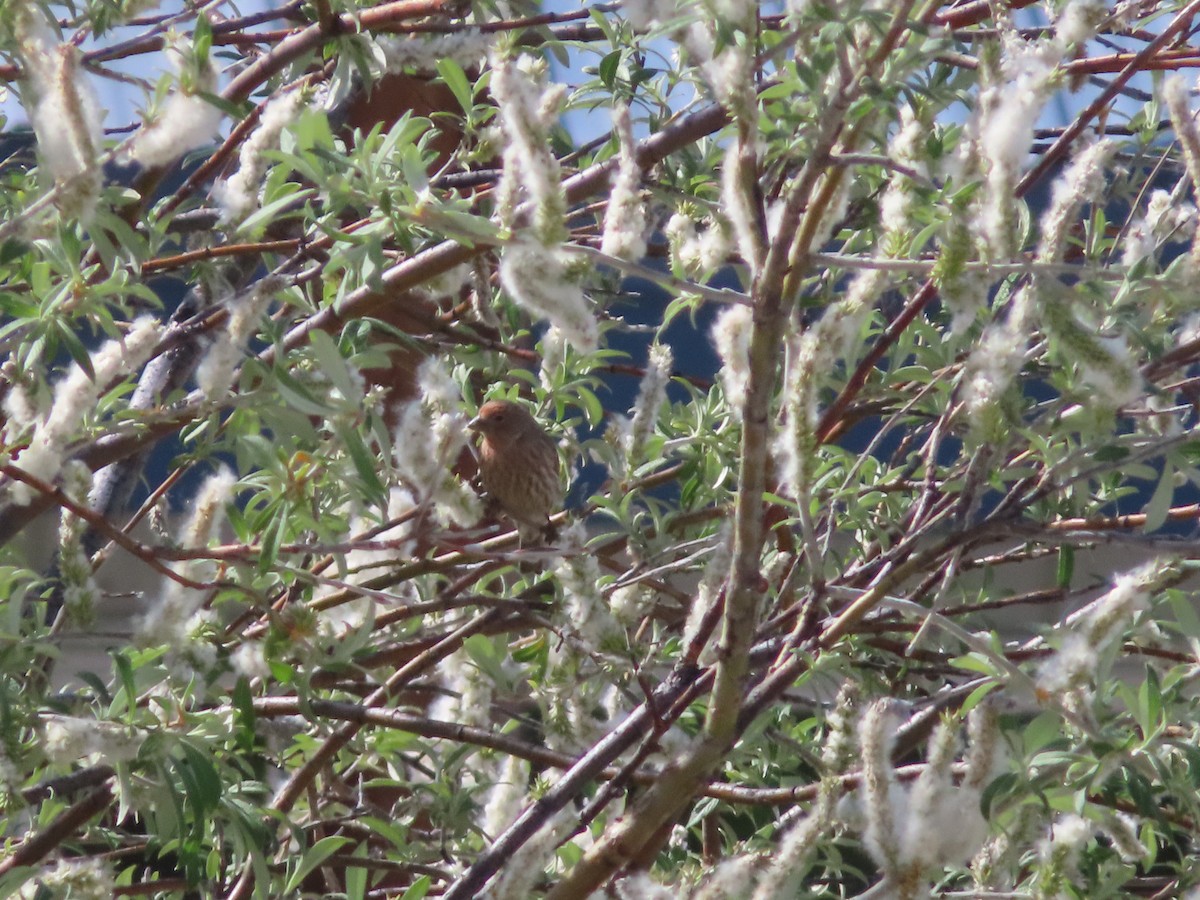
518,465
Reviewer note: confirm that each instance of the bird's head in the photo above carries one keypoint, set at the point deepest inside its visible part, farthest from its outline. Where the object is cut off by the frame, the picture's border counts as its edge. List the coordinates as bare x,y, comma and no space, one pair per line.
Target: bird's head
501,421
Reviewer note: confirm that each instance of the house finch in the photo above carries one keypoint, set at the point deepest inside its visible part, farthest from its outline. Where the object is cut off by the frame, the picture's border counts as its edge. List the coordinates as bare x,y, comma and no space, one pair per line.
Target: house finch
518,463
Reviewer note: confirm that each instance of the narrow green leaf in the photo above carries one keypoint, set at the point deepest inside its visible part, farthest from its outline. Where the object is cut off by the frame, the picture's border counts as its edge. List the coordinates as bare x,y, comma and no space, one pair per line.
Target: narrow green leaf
1160,502
313,857
365,464
334,366
356,876
456,79
418,889
608,68
207,781
1066,566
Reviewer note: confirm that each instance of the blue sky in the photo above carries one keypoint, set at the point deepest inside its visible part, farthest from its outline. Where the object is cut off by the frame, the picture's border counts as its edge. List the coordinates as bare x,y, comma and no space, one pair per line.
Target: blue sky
122,99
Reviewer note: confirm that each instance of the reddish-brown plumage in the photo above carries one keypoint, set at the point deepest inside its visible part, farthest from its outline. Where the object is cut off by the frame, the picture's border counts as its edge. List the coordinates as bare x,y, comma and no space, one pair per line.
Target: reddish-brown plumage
518,463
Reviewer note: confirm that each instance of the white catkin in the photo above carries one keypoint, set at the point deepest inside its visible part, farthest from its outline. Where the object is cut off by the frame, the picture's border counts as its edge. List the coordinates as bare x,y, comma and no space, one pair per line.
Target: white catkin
652,394
429,434
506,796
731,878
731,335
579,574
906,148
709,592
1007,113
65,112
782,879
554,357
74,565
220,365
1111,371
1122,830
186,120
75,398
934,799
423,51
531,171
1080,183
630,603
169,621
535,270
729,71
238,195
794,442
1164,219
1059,851
79,879
1088,633
1077,22
696,253
835,336
738,205
625,216
467,692
544,282
641,886
518,878
68,739
207,508
882,807
250,660
645,14
992,365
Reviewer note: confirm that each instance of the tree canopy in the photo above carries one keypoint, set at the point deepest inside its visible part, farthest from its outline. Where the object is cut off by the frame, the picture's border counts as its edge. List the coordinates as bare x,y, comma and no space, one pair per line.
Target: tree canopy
875,396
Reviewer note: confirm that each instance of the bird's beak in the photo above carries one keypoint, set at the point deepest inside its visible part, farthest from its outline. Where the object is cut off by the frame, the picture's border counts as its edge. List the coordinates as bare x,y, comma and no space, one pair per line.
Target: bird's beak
476,424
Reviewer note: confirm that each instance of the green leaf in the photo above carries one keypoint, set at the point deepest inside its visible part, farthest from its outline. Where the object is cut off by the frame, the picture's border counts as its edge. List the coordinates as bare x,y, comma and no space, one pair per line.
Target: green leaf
997,789
273,211
1160,502
592,407
456,79
393,832
975,662
128,694
298,397
272,538
74,347
1044,730
977,696
418,889
365,464
483,653
1150,705
609,67
313,857
334,366
201,781
1066,566
244,715
202,37
356,876
1183,607
311,131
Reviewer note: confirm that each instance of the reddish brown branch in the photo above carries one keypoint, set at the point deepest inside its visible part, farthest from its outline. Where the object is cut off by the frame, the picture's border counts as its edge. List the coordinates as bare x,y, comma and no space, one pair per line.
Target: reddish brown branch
965,14
58,497
164,263
1060,147
37,846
